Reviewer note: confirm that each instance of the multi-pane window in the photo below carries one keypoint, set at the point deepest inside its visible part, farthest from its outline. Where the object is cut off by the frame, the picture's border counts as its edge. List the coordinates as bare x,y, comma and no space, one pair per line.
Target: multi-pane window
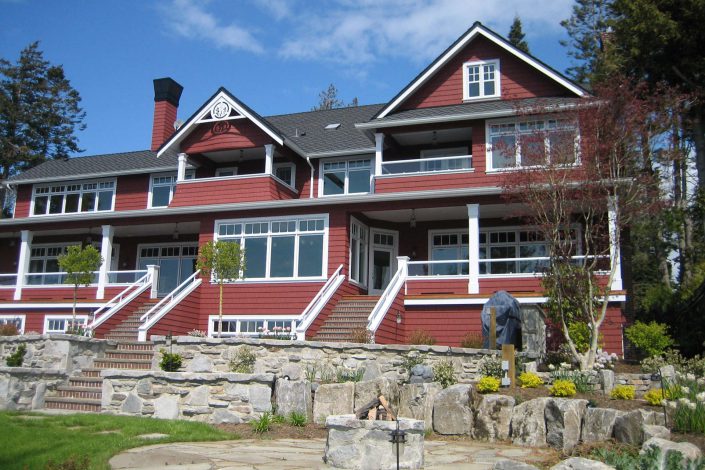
270,327
346,177
449,246
532,143
359,234
481,80
57,324
279,248
162,188
45,259
511,252
16,320
286,172
70,198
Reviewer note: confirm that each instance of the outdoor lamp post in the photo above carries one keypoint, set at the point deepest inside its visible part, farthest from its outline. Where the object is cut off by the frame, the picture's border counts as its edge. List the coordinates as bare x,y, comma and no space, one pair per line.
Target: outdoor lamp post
168,339
398,437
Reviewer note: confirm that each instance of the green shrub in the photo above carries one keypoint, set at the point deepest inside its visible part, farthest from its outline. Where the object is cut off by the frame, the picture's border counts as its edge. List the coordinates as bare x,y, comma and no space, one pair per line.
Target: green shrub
650,338
421,337
278,419
530,380
654,397
171,362
491,366
244,361
472,341
409,362
562,388
623,392
343,374
488,384
444,373
580,334
297,419
263,423
15,359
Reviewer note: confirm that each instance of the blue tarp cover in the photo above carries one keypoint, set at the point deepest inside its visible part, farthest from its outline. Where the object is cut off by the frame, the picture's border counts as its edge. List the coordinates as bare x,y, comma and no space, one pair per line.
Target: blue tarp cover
508,314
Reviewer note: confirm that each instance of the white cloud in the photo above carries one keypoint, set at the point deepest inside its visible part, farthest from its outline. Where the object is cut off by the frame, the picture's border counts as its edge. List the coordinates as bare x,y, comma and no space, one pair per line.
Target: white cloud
279,9
189,19
364,31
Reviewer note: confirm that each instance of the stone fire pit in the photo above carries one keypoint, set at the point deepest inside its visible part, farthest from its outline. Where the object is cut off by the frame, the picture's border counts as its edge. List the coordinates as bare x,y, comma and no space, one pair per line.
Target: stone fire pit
358,444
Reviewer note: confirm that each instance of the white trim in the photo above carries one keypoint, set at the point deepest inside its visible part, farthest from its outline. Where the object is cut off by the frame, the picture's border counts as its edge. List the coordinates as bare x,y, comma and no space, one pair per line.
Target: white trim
239,318
367,243
393,259
27,306
106,251
190,174
292,166
67,317
65,193
21,317
220,96
346,185
469,36
483,300
473,248
138,171
425,173
23,262
497,81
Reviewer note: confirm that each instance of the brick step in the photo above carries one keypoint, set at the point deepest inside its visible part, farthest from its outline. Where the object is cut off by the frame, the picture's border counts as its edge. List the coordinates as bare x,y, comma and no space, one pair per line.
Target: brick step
355,306
333,339
136,364
369,298
136,322
74,404
86,382
121,337
127,354
135,346
351,311
344,316
346,321
121,328
92,393
337,327
90,372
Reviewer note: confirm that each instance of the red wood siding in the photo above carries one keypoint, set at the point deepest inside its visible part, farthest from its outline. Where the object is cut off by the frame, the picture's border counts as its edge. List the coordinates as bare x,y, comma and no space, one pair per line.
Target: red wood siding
437,286
290,298
132,192
6,295
122,314
224,135
612,330
182,318
58,294
510,284
262,188
389,332
447,324
517,79
23,201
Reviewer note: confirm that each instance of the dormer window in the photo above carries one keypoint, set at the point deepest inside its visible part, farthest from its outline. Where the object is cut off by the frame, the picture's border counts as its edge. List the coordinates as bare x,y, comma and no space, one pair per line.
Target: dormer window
481,80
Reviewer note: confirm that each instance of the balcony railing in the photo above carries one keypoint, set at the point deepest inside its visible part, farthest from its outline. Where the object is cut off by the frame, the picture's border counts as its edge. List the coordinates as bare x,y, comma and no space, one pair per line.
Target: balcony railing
492,267
427,165
59,278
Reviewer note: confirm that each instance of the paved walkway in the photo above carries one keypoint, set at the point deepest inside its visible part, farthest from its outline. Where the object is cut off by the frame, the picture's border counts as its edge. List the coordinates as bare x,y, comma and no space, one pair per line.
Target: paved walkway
307,454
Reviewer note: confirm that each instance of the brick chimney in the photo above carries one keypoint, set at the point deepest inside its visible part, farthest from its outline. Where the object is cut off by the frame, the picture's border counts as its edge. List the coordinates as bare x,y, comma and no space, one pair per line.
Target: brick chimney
166,103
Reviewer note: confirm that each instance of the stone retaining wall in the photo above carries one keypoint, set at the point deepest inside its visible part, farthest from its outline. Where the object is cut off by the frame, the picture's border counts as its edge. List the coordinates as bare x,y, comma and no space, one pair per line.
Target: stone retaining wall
62,352
24,388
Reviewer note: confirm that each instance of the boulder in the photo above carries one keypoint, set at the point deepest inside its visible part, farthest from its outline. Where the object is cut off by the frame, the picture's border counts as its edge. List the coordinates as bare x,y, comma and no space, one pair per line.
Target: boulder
506,464
260,397
132,404
367,391
688,451
294,395
529,423
580,463
333,399
293,371
629,428
606,380
598,424
200,363
452,413
564,417
653,417
654,430
493,415
421,373
416,402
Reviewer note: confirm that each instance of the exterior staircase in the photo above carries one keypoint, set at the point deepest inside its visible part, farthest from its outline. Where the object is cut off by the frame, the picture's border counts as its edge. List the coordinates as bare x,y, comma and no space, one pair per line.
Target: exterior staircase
128,329
349,314
84,392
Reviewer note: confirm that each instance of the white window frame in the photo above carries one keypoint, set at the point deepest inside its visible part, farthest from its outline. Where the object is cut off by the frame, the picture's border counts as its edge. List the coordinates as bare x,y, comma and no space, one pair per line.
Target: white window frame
45,257
212,331
346,188
292,182
517,133
66,318
4,319
189,175
466,80
297,233
38,191
218,171
363,244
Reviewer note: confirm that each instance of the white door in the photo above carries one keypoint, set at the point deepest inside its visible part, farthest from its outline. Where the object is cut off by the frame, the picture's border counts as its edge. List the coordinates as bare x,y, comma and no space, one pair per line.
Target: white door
383,259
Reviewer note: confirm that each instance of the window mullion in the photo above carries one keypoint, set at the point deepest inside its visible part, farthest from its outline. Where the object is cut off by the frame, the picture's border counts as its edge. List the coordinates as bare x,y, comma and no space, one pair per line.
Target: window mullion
268,258
296,252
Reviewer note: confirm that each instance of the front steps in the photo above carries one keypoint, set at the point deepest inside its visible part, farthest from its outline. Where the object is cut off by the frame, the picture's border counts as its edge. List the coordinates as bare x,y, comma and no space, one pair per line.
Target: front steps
128,330
84,392
350,313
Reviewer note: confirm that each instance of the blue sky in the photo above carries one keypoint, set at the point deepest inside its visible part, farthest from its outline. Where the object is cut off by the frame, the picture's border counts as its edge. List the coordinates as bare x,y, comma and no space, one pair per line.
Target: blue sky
275,55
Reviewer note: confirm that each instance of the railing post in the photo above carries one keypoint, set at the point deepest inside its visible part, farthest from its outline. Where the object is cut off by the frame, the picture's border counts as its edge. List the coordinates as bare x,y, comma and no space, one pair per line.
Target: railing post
403,266
614,244
23,262
473,248
269,159
153,271
379,151
106,251
181,172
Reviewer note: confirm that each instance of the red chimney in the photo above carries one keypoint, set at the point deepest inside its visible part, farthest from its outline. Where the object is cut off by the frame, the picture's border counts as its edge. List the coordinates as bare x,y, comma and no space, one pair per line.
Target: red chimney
166,103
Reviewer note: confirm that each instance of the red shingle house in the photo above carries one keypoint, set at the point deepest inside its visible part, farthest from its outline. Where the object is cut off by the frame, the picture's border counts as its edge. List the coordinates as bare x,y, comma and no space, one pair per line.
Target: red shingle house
386,216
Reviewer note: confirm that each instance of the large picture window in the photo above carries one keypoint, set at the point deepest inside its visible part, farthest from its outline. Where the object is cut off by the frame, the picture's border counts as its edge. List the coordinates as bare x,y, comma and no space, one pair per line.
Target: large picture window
346,177
281,248
481,80
70,198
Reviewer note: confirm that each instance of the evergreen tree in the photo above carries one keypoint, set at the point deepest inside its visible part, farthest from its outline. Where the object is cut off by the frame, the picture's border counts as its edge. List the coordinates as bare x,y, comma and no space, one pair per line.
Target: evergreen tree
39,113
328,99
516,35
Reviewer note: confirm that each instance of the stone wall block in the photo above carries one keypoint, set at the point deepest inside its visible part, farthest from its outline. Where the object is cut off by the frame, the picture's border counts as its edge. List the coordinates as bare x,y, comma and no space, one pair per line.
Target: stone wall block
452,412
628,428
529,423
416,402
133,405
564,417
333,399
493,416
598,425
166,407
293,395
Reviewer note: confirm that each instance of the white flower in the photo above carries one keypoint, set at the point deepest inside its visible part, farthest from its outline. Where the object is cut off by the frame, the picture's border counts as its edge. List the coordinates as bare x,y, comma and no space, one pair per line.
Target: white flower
691,405
685,389
701,381
683,401
690,376
551,367
613,356
700,396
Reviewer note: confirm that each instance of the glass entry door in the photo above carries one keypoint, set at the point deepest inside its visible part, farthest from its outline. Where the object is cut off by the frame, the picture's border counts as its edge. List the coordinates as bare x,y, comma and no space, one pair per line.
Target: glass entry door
383,259
176,263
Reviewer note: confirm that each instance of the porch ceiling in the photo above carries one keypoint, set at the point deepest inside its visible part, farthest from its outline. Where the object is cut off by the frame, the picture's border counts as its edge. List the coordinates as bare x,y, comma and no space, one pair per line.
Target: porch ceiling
126,230
235,156
439,136
430,214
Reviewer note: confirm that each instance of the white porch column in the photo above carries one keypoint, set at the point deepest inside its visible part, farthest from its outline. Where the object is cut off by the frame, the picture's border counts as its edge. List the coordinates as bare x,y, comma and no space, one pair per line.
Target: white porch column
379,149
474,248
614,244
153,269
106,251
269,159
181,172
23,261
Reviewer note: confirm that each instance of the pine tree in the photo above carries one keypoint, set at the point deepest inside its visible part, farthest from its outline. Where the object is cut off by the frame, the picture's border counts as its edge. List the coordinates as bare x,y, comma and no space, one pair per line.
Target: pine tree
516,35
328,99
39,113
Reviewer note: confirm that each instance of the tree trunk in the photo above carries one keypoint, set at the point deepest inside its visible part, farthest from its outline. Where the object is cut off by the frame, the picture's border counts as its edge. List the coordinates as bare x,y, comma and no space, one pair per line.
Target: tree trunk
698,119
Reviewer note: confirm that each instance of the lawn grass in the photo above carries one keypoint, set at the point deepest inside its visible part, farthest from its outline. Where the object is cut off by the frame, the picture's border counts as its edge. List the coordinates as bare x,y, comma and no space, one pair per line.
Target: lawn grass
31,441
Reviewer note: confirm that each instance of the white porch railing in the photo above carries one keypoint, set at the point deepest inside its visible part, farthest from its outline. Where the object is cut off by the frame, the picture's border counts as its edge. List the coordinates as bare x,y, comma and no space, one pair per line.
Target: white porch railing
390,293
165,305
318,303
427,165
116,278
148,281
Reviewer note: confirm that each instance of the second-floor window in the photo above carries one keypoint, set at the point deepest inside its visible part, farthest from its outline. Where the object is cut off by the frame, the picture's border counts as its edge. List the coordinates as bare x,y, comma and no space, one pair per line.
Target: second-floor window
162,188
481,80
69,198
286,172
346,177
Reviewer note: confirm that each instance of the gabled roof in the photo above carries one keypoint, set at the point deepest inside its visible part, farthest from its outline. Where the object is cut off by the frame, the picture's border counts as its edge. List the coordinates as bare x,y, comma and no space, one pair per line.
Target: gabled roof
477,29
221,95
97,166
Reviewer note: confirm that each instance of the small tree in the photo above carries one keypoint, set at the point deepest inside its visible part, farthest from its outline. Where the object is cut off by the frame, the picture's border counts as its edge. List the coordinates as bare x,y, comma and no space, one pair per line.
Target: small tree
79,264
516,35
328,99
223,261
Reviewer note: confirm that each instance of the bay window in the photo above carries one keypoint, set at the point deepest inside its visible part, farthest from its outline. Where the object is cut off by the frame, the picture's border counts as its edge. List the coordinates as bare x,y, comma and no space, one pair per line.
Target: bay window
74,197
346,177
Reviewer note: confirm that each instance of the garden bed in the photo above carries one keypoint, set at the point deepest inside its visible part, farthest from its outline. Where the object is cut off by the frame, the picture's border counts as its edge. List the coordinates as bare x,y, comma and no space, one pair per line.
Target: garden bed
596,399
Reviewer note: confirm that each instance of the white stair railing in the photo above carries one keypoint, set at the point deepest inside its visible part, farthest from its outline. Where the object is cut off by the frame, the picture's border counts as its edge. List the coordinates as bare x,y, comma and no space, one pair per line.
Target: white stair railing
164,306
390,293
127,295
318,303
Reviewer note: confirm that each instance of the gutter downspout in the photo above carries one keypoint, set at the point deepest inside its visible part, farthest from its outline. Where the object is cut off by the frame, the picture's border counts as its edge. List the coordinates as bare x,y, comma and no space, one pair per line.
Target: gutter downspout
310,189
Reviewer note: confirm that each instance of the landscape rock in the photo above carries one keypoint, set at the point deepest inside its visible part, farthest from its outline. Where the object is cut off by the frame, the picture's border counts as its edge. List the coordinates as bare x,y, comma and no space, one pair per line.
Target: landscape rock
200,363
367,391
132,405
564,417
452,413
580,463
293,371
493,415
607,380
333,399
529,423
598,424
421,373
222,416
416,402
166,407
629,428
260,398
506,464
655,430
294,395
687,450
